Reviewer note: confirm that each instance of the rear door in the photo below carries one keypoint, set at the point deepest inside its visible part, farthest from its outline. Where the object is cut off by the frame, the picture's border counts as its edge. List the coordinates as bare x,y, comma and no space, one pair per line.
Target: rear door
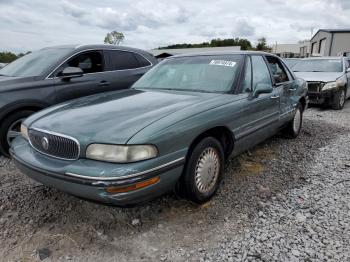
285,85
93,80
124,68
259,116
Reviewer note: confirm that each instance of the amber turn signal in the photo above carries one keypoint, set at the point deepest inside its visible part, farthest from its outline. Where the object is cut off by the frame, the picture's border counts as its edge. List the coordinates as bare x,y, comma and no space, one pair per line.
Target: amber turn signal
134,186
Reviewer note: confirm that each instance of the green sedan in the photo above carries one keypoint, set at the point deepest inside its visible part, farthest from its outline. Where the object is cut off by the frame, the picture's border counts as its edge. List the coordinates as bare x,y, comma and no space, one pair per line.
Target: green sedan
173,129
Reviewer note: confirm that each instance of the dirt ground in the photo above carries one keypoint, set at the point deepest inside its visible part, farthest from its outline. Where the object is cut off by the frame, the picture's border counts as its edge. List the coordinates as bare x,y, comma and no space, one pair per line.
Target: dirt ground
42,224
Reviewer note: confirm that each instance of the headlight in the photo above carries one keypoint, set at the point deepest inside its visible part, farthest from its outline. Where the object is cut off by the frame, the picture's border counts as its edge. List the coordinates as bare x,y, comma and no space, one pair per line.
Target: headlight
120,153
330,85
24,132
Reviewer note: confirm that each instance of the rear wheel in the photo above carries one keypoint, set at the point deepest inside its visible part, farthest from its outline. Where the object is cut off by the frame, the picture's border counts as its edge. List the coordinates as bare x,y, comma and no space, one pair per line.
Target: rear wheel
339,99
10,128
293,128
203,171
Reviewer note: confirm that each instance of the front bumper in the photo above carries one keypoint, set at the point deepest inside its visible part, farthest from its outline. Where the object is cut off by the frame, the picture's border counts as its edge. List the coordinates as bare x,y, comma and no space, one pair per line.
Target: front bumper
89,179
320,97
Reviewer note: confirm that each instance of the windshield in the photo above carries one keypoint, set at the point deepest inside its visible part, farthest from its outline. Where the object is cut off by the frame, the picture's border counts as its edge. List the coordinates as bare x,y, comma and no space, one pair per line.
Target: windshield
291,62
319,65
36,63
197,73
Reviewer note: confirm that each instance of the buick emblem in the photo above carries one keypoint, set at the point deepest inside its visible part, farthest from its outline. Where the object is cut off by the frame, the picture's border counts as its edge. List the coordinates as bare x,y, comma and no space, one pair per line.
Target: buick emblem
45,143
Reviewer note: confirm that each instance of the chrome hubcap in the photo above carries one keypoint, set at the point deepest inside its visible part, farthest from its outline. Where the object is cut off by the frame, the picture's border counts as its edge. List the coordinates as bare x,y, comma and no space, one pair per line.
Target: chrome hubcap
342,98
207,170
14,131
297,121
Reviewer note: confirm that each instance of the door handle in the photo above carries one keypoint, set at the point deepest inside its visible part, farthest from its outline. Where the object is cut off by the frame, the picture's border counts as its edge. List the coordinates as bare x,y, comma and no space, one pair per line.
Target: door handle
274,97
292,89
104,83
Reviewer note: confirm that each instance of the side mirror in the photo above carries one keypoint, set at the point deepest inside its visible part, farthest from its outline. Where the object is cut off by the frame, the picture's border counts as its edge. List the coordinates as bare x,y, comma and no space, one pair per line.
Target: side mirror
262,89
72,72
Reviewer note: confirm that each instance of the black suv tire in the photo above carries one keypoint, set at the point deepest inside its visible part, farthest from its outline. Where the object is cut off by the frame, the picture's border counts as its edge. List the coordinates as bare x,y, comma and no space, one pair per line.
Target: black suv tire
12,121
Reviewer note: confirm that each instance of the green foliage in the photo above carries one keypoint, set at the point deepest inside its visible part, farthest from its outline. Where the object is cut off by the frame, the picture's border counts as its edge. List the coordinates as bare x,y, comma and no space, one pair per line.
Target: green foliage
8,57
261,46
114,38
244,43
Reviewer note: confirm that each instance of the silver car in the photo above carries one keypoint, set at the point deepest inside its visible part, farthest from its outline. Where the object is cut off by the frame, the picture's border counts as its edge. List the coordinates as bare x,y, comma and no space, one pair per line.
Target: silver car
327,78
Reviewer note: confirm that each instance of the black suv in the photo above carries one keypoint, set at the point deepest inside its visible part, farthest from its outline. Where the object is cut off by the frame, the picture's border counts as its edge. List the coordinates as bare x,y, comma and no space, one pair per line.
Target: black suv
56,74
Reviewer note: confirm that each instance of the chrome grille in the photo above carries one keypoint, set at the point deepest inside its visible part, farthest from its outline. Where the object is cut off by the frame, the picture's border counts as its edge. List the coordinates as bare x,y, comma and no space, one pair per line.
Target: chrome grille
55,145
314,87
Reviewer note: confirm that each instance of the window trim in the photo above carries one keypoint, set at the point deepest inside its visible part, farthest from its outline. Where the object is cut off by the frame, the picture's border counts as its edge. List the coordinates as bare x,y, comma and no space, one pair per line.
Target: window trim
99,49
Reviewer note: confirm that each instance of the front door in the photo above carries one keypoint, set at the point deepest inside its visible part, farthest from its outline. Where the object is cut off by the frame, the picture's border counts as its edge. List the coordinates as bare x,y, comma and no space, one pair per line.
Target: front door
259,116
93,80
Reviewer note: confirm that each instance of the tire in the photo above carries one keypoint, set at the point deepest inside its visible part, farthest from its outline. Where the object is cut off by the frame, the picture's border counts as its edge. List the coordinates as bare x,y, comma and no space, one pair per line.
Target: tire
339,99
203,171
13,122
294,126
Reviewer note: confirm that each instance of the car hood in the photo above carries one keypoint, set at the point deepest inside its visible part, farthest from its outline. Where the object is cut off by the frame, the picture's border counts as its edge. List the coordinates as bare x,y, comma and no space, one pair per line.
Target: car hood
114,117
319,76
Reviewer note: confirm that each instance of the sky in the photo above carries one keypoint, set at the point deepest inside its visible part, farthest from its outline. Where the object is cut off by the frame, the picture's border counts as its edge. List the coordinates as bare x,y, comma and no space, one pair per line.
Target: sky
32,24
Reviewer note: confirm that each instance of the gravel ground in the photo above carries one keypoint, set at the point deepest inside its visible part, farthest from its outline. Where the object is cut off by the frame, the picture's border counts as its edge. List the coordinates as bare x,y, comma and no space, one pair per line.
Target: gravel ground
285,200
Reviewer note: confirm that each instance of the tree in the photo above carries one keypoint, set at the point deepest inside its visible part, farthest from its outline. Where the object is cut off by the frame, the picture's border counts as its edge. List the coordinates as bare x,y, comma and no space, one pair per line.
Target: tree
114,38
243,43
262,44
7,57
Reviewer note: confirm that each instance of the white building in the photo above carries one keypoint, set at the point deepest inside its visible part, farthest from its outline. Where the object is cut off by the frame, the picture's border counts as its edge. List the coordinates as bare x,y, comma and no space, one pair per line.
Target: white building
286,50
331,42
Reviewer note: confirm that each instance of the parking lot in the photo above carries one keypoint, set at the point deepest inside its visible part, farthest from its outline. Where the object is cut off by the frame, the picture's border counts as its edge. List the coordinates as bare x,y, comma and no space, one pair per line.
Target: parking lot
283,200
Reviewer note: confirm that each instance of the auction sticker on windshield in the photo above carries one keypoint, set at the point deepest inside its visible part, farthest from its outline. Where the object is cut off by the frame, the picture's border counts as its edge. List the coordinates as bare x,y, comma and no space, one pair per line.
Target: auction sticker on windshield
222,63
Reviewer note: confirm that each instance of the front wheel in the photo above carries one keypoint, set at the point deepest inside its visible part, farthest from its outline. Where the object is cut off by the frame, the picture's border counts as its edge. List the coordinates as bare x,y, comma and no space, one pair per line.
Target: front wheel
293,128
10,128
339,100
203,171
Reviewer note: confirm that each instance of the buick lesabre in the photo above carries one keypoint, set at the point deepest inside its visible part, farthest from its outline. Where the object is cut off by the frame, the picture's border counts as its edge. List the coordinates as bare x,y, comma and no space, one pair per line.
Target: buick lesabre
173,129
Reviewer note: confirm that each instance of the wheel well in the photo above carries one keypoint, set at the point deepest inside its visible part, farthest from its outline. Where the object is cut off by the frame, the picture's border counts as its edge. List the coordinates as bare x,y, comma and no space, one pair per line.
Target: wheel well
32,108
222,134
303,102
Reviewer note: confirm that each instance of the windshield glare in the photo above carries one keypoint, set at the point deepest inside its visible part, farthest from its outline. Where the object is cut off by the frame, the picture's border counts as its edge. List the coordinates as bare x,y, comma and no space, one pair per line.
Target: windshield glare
197,73
319,65
36,63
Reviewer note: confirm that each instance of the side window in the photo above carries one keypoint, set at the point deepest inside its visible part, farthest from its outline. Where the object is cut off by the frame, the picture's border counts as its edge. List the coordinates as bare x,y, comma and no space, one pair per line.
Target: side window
89,62
247,82
143,62
121,60
261,74
278,71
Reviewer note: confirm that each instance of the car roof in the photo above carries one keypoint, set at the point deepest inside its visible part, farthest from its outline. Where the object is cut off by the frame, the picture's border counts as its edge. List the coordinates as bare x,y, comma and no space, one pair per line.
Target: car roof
83,47
212,53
